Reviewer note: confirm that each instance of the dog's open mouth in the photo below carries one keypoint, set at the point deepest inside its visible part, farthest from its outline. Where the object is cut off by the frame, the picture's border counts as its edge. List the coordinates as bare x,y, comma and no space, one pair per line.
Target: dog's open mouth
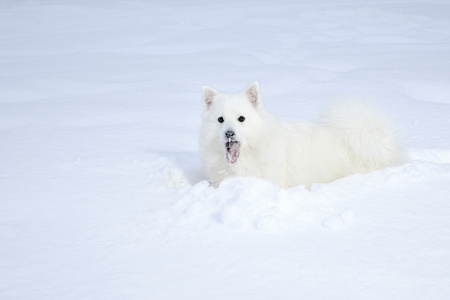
232,154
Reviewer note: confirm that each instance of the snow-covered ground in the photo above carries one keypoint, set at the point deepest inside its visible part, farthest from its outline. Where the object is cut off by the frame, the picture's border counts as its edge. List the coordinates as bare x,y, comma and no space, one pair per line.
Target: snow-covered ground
102,194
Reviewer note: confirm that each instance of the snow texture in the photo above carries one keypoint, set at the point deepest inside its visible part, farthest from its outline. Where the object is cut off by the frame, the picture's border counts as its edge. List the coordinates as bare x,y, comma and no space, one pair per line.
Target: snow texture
103,195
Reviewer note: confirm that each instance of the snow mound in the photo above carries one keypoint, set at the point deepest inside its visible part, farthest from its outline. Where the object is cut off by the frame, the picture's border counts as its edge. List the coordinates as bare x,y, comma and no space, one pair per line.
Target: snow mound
438,156
255,204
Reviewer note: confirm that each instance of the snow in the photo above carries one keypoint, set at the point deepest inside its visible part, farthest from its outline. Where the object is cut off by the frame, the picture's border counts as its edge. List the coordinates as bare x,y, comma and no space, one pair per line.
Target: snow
103,195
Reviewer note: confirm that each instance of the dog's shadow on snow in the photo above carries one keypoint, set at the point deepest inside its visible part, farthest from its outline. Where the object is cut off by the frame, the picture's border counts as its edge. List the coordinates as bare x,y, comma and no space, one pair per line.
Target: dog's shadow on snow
183,168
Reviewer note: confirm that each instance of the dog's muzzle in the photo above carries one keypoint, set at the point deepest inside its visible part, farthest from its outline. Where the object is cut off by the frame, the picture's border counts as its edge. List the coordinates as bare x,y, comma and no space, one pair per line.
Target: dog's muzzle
232,146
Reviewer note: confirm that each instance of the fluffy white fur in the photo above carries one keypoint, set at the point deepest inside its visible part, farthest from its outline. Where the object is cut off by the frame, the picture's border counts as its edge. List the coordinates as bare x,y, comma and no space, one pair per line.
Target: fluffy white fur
349,138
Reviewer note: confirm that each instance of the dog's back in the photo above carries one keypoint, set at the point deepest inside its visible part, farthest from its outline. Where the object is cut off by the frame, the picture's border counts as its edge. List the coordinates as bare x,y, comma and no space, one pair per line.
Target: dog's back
370,136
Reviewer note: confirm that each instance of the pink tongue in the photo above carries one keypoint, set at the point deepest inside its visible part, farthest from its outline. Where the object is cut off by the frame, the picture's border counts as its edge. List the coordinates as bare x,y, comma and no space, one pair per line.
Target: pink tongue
233,153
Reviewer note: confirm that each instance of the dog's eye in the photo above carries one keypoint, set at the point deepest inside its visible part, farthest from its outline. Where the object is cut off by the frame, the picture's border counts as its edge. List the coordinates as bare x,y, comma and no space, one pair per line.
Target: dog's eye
220,120
241,119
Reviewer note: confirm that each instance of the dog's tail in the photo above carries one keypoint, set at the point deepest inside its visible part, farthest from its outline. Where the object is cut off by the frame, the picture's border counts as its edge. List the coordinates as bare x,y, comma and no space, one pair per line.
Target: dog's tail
370,136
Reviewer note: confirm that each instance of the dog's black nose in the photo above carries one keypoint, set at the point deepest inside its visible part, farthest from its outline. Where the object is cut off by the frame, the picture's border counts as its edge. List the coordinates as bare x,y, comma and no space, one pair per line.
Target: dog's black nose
229,134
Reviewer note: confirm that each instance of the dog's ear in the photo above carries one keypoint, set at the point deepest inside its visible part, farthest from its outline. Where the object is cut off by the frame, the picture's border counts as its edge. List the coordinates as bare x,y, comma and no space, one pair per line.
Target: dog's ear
208,96
252,93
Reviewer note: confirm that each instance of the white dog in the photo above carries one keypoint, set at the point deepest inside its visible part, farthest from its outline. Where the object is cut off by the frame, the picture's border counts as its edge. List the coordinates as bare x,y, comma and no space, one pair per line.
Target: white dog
239,138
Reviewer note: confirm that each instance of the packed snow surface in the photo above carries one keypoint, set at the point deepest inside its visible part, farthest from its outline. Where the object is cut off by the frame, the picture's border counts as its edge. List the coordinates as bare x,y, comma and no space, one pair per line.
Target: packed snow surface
103,195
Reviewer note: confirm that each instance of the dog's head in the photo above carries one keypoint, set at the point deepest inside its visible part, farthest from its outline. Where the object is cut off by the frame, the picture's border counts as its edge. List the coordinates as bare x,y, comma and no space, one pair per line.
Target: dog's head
234,117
